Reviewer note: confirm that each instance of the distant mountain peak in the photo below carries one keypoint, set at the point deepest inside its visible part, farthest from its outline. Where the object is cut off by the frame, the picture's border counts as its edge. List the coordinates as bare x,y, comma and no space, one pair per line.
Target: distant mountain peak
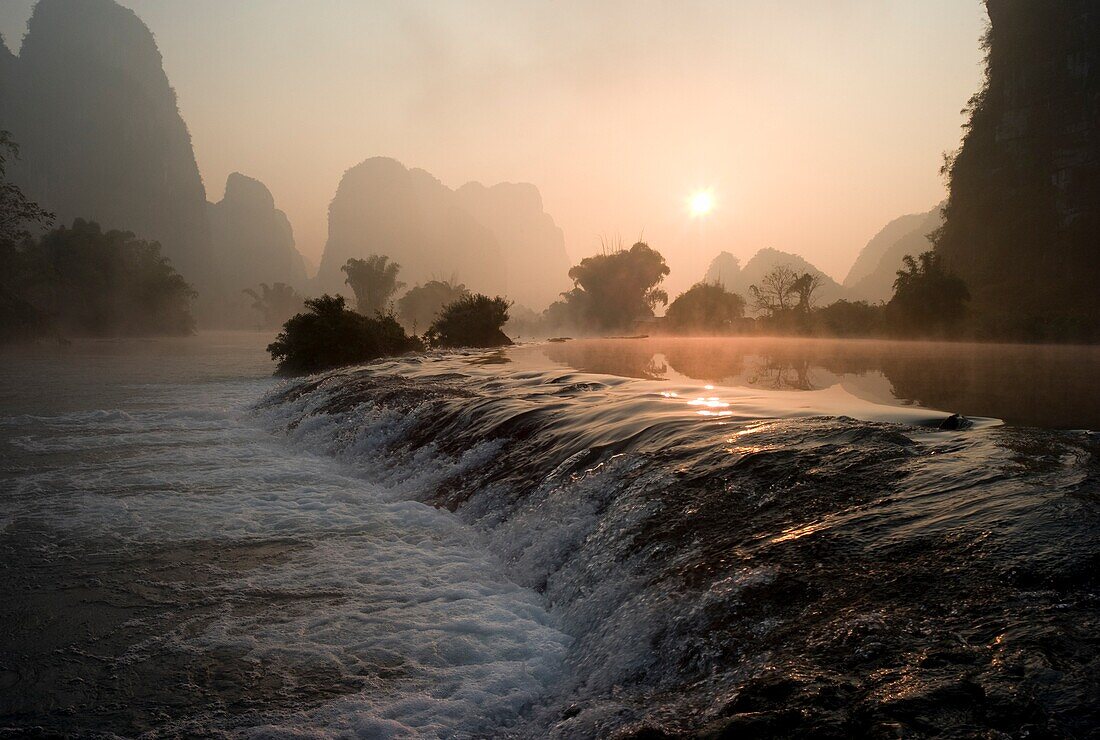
872,275
247,191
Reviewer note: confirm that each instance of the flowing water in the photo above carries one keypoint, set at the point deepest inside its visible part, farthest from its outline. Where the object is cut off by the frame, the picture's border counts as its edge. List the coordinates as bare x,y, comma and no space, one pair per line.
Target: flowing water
616,537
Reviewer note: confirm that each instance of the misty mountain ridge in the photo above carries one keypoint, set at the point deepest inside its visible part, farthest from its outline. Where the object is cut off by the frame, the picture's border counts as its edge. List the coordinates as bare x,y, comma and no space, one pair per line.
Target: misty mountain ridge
871,277
727,269
533,245
875,269
493,239
253,240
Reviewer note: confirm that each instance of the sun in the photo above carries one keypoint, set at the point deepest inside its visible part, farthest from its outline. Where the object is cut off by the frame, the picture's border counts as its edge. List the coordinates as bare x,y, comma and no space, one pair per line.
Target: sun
702,202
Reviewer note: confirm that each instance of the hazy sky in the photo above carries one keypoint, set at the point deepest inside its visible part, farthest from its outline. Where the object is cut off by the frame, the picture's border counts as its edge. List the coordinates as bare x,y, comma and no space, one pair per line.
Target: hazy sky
814,121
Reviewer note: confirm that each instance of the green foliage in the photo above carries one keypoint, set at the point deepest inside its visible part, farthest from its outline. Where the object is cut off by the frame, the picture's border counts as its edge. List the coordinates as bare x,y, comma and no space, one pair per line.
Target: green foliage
275,303
849,319
471,321
330,335
927,300
611,291
18,214
422,304
82,280
705,308
374,281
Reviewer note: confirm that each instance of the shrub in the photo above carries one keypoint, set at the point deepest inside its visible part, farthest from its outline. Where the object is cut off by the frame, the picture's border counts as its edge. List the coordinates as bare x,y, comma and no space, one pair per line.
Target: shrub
421,305
330,335
705,308
471,321
850,319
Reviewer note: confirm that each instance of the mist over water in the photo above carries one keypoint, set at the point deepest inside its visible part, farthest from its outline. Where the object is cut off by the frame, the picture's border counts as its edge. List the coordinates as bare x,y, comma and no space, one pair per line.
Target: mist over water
561,540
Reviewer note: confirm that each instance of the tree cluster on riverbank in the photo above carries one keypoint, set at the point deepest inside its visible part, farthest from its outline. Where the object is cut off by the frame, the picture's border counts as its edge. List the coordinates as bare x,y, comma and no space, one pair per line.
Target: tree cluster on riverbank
80,279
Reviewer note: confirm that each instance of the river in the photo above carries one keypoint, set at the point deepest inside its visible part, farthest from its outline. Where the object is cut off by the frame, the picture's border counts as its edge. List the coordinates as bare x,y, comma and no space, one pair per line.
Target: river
569,539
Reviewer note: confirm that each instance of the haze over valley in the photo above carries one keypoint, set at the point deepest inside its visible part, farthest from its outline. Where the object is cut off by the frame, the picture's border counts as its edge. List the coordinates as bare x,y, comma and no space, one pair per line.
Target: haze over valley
550,369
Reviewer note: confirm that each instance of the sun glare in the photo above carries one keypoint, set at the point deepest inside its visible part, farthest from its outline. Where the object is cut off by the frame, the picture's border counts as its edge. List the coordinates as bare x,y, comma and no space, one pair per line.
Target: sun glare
702,203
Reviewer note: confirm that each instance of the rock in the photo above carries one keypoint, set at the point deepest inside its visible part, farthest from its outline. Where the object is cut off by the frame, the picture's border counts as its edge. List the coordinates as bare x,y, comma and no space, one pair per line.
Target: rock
955,422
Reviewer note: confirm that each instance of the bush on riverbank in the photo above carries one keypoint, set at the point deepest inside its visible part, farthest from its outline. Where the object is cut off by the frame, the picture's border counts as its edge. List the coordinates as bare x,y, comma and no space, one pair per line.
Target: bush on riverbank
471,321
330,335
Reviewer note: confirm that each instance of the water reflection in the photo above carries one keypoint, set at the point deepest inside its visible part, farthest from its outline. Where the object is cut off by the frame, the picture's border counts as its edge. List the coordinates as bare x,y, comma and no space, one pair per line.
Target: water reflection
1034,385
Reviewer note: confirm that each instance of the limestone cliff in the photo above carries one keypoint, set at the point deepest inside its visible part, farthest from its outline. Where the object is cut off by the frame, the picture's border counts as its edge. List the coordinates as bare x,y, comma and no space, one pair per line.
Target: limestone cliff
100,134
381,207
253,240
1023,216
532,245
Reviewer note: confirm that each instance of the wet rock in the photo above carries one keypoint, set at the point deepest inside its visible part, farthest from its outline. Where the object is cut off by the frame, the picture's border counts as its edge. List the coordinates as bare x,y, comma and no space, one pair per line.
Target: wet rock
955,422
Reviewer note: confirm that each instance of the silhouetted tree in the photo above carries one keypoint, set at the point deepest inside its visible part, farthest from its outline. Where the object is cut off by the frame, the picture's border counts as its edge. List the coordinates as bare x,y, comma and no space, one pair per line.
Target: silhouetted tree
276,303
329,335
422,304
707,308
849,319
782,290
803,289
471,321
17,212
927,299
612,290
773,294
87,281
374,281
785,298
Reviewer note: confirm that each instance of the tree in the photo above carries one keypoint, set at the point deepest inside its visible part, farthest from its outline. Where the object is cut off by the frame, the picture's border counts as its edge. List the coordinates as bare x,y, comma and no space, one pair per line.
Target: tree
330,335
612,290
422,304
17,212
83,280
374,281
927,299
849,319
276,303
707,308
471,321
803,290
782,290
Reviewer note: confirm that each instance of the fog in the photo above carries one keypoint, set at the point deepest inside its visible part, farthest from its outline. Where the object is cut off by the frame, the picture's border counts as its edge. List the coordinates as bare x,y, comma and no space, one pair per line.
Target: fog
815,124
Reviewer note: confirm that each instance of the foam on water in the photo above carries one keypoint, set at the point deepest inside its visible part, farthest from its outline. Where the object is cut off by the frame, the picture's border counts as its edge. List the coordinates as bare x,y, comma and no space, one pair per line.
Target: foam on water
399,598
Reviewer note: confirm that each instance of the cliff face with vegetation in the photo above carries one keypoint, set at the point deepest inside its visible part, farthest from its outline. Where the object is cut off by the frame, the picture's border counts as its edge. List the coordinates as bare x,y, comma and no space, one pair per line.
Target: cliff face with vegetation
89,103
253,240
1023,217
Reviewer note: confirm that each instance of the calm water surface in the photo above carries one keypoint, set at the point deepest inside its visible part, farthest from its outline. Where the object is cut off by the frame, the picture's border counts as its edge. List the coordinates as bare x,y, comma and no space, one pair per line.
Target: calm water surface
1053,386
